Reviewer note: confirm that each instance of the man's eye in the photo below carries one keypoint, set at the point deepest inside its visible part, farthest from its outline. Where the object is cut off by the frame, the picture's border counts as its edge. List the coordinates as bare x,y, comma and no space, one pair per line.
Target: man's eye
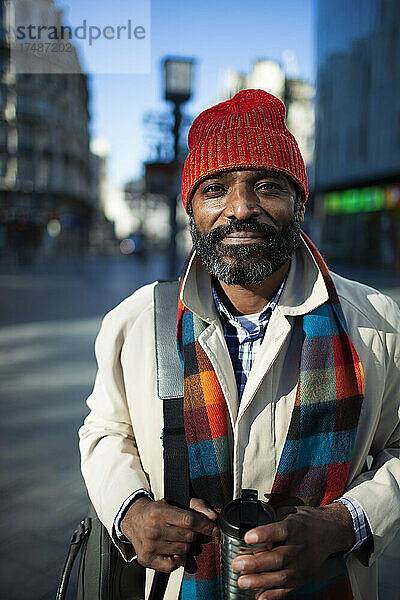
269,186
212,188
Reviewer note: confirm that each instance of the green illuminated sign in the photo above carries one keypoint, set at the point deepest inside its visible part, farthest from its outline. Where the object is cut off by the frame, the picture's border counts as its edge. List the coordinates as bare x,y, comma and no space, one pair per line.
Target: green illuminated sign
362,200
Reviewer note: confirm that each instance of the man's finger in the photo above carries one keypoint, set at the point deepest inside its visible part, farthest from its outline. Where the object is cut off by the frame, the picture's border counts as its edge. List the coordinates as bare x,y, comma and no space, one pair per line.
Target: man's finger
202,507
278,580
171,533
167,564
191,519
161,512
274,533
171,548
273,594
275,560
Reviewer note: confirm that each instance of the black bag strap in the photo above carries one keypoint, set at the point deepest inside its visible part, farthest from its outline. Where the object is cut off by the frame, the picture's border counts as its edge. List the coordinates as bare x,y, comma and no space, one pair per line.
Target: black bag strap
170,388
79,537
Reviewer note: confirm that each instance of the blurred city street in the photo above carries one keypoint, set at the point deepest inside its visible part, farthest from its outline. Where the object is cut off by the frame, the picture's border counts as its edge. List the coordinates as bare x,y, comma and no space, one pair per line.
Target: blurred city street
50,315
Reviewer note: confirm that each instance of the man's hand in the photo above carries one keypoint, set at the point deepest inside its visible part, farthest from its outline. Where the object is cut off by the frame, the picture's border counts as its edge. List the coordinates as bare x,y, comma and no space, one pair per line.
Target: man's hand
294,548
162,534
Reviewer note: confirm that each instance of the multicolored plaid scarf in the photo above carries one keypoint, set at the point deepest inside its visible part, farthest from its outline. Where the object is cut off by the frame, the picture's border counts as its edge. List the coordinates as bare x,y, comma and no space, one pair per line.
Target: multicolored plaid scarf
316,457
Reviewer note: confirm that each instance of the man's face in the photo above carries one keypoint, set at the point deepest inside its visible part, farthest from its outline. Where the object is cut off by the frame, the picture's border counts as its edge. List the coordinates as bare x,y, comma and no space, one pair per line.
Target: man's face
245,224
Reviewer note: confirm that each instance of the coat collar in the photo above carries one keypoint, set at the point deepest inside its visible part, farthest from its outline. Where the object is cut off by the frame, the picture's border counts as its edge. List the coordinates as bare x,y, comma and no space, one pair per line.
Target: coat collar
304,290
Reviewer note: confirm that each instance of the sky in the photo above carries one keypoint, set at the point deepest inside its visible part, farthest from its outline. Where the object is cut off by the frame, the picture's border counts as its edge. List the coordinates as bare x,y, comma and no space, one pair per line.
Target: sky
218,34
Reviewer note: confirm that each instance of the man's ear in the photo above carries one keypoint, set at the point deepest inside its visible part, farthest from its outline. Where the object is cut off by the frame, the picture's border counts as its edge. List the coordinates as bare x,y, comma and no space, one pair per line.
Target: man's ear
302,210
299,206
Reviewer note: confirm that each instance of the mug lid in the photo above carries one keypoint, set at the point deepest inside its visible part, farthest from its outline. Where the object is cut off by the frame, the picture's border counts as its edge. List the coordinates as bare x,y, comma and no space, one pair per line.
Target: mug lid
245,513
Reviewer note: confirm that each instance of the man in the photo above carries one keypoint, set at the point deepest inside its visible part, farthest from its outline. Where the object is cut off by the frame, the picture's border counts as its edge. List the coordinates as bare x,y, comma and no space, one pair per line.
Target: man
291,382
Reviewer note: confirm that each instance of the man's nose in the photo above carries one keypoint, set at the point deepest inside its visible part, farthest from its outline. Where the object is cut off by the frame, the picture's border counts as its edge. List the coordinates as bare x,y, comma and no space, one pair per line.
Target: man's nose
242,203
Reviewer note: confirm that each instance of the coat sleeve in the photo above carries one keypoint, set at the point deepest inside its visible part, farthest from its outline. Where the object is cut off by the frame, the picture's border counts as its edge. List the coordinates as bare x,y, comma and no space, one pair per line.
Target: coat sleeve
110,461
377,490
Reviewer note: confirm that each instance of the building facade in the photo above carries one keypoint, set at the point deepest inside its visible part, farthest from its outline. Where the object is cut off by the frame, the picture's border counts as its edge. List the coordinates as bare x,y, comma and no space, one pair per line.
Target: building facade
45,162
357,166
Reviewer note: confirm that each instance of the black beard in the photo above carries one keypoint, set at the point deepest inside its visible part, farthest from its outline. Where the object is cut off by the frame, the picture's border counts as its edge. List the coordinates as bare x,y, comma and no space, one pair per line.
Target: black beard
242,264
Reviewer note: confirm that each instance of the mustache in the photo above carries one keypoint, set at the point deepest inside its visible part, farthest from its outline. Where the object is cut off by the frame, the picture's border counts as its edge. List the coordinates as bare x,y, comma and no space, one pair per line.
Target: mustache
219,233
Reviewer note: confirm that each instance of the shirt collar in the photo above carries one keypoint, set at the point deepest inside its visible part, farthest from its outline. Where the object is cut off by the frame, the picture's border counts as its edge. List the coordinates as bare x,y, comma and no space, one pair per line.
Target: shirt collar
262,317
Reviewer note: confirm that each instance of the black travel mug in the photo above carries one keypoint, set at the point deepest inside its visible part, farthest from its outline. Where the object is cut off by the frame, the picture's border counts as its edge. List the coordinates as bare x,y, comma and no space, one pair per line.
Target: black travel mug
236,518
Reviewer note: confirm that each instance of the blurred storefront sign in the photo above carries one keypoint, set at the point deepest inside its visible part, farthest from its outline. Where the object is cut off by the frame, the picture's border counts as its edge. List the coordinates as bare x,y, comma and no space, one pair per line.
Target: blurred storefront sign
362,225
163,178
24,214
365,199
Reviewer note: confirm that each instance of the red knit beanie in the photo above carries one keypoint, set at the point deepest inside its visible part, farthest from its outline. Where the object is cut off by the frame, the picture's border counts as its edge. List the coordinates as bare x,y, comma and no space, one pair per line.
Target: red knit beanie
246,132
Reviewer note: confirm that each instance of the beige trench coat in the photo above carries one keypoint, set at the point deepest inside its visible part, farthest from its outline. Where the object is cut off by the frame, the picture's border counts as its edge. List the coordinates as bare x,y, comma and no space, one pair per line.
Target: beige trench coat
120,439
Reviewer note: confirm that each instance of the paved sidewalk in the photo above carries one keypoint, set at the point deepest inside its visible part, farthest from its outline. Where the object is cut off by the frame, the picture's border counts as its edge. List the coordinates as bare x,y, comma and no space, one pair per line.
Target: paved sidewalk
44,383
